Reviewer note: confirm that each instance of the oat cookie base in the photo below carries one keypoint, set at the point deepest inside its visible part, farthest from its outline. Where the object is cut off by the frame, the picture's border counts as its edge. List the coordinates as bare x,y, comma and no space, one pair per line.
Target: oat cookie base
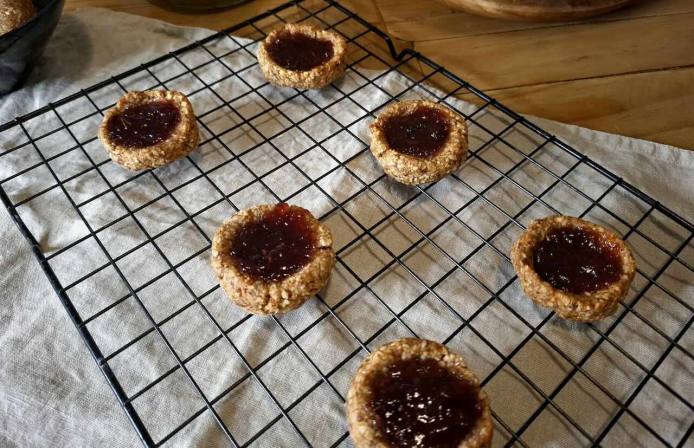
15,13
411,170
585,307
315,78
262,297
360,418
183,140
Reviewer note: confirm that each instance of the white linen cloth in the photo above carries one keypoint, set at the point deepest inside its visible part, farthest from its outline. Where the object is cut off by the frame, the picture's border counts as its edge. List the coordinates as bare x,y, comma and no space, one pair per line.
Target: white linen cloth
51,392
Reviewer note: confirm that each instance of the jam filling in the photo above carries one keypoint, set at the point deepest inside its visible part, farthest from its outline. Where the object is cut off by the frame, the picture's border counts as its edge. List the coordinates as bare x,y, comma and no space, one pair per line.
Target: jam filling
576,260
145,124
299,52
419,403
277,246
420,133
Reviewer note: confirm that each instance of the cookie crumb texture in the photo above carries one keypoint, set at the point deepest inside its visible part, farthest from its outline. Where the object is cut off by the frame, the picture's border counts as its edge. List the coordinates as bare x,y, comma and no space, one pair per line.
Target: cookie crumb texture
576,268
302,56
149,129
417,142
417,393
15,13
270,259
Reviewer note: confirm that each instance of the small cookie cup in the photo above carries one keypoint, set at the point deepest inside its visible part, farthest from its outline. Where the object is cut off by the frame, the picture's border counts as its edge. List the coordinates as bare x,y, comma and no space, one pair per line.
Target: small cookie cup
376,420
14,14
149,129
593,298
407,167
252,286
292,68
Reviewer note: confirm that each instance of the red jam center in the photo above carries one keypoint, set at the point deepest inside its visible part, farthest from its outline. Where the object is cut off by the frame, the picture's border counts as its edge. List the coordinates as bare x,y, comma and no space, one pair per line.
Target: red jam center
577,260
277,246
420,133
299,52
145,124
419,403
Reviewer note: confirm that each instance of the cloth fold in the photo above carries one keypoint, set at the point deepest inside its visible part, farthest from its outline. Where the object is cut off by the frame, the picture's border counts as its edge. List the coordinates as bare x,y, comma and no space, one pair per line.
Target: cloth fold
52,393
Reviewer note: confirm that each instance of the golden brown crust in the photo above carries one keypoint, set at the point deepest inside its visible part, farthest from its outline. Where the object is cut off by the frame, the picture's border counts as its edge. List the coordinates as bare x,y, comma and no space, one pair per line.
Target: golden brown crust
411,170
15,13
183,140
262,297
315,78
585,307
360,417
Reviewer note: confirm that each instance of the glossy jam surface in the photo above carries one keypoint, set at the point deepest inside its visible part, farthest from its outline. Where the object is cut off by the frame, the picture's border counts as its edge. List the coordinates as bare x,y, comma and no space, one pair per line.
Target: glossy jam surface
145,124
277,246
299,52
421,404
420,133
576,260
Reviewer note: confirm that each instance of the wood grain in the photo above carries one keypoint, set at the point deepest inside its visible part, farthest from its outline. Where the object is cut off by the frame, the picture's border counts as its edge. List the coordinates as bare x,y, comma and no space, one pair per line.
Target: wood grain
421,21
629,72
217,19
538,10
528,57
629,105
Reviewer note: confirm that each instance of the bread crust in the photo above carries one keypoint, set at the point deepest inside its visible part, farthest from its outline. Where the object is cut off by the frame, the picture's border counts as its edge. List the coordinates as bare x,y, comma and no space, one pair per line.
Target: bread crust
412,170
262,297
183,140
315,78
360,417
585,307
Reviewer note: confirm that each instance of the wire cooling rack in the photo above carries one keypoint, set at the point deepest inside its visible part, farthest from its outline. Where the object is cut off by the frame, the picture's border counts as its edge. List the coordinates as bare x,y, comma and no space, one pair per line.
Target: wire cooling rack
623,381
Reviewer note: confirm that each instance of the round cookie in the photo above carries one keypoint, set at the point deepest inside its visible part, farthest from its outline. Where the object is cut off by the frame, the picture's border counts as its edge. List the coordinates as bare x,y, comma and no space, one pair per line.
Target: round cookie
442,404
578,269
302,56
270,259
149,129
418,142
15,13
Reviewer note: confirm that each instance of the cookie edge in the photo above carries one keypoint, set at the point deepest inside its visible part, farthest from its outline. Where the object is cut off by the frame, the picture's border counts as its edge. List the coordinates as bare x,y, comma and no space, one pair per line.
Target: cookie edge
411,170
262,297
359,416
182,141
316,78
587,307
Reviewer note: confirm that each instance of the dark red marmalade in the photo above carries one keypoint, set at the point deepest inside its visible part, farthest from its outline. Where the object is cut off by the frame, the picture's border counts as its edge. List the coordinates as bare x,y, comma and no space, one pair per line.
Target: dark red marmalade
277,246
143,125
577,260
420,133
419,403
299,52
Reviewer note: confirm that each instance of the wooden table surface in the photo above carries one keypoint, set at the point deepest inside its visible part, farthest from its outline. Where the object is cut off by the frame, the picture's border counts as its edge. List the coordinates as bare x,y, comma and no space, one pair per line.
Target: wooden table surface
630,72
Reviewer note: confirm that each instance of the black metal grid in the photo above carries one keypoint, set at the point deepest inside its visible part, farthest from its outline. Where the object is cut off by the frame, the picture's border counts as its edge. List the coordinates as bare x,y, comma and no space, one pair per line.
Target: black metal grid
73,137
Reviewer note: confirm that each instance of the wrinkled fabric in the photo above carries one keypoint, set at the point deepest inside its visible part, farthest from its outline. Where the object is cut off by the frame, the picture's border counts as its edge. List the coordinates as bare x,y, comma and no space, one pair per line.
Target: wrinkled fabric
52,393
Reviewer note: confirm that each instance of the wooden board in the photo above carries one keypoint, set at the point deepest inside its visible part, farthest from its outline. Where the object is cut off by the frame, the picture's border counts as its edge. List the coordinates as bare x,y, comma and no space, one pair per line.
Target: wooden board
538,10
603,74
